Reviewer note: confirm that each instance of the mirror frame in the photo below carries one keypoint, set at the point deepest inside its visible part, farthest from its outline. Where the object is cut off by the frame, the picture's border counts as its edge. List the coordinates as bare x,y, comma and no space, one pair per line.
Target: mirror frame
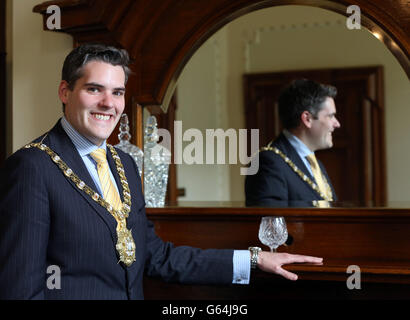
161,37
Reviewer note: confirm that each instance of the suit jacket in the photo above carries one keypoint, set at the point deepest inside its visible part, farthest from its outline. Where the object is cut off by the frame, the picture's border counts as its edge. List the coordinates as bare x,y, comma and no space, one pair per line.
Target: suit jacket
45,220
276,184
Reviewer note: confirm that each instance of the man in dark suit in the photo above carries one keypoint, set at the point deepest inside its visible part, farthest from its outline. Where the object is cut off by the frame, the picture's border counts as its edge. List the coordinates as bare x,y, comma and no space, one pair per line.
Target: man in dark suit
71,203
289,174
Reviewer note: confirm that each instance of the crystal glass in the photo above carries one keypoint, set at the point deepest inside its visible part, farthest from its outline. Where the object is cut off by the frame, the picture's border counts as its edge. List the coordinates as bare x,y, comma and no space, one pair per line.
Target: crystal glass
273,232
156,163
125,145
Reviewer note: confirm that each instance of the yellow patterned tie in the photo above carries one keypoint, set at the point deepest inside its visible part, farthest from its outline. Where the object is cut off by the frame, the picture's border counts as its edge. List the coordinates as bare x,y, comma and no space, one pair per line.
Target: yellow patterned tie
110,193
317,174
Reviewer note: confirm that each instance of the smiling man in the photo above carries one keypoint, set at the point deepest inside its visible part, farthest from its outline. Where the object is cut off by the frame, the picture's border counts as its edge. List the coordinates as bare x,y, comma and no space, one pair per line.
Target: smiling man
96,102
289,173
70,202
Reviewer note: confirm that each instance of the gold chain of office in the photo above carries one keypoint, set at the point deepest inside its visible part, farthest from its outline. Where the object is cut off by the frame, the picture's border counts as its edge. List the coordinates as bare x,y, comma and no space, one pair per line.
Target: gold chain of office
299,172
125,242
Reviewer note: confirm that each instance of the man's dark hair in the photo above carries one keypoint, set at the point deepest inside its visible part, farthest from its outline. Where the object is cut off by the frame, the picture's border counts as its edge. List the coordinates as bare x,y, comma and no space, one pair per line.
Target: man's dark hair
80,56
302,95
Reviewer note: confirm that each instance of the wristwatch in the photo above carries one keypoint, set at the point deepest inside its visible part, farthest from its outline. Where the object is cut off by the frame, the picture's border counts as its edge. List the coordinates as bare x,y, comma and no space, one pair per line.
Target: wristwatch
254,256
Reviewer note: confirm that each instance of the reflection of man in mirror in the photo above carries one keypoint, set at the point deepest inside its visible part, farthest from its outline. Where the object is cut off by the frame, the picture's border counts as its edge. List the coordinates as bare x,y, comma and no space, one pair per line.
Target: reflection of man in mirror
288,169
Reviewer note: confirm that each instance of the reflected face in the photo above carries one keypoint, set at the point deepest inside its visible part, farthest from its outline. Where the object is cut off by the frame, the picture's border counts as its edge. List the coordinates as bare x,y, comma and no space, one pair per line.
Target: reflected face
322,127
96,102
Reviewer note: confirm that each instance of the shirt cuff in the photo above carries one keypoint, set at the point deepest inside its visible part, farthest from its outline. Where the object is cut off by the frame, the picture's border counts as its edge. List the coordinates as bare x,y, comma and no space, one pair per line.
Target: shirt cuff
241,266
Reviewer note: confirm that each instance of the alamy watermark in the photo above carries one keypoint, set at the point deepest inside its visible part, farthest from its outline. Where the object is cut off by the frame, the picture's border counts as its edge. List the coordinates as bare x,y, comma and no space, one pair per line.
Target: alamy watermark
54,280
354,281
201,150
54,20
353,21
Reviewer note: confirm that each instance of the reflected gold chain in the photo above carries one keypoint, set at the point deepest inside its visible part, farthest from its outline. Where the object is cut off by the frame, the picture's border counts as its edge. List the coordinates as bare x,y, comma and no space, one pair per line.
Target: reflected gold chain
300,173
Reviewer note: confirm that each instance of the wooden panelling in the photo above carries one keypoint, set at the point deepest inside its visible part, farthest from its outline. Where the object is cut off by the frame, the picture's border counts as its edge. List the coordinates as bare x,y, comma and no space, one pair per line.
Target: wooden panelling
376,240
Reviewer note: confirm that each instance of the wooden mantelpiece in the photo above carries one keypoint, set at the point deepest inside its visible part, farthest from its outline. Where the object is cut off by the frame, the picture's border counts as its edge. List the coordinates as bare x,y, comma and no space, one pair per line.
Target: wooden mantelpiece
376,240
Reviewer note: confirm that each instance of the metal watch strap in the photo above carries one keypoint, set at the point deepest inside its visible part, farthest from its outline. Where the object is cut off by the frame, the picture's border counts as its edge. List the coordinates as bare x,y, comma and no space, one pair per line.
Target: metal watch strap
254,256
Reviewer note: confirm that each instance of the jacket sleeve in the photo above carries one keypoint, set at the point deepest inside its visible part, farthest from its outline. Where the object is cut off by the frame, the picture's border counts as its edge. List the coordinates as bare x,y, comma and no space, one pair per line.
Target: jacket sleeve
184,264
24,227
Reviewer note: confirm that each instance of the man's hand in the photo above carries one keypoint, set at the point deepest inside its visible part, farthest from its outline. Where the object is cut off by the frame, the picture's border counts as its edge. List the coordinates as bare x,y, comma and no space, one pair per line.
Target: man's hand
272,262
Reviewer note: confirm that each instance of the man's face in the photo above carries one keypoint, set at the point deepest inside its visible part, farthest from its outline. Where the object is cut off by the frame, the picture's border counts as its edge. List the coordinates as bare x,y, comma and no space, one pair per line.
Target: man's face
96,102
320,133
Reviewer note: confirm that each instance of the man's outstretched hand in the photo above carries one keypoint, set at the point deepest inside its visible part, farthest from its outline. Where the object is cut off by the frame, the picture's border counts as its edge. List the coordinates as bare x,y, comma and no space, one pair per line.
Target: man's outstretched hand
273,261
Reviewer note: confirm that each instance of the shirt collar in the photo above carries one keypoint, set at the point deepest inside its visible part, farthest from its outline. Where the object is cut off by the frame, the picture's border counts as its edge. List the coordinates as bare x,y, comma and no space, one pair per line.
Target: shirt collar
302,150
82,144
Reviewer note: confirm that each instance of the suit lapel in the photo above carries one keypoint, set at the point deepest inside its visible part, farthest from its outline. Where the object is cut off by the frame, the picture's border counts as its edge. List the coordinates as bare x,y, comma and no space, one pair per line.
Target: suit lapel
284,145
60,143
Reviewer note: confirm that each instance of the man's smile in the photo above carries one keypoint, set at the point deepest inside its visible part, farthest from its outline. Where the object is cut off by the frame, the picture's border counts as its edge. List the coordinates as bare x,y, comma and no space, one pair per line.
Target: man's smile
101,116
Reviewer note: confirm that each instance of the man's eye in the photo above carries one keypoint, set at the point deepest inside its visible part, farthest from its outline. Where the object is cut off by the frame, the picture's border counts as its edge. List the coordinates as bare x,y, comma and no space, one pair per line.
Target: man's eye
92,89
118,93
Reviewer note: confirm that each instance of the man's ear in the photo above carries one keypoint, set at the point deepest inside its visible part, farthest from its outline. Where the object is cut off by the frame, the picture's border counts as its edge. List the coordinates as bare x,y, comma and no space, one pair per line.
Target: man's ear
306,118
63,91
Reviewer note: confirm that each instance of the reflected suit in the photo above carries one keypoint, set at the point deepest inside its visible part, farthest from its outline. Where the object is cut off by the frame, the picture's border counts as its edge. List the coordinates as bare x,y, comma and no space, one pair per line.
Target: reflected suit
276,184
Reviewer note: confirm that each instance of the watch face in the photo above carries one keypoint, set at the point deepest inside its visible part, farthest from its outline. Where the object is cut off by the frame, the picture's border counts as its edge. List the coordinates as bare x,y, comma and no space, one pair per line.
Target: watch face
254,256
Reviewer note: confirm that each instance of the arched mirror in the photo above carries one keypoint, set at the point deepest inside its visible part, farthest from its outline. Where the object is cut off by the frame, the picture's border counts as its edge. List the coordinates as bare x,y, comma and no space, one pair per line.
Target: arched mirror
214,88
206,50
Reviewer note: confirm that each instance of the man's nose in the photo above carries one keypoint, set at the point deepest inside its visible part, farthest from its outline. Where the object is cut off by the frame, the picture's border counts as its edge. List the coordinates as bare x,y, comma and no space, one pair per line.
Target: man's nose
107,100
337,123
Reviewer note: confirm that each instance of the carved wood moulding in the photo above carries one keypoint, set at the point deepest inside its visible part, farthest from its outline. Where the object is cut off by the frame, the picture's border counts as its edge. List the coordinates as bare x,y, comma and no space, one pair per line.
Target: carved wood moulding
161,35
